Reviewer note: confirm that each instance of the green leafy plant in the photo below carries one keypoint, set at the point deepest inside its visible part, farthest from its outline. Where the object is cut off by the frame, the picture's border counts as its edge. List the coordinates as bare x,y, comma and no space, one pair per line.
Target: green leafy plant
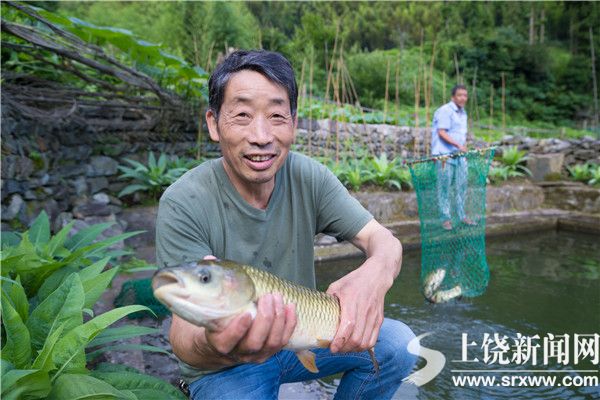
153,177
595,176
42,260
49,331
498,174
384,171
513,159
580,172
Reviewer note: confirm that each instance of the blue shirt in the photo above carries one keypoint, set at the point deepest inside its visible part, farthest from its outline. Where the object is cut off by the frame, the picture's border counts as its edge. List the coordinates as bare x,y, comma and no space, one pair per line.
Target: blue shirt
452,119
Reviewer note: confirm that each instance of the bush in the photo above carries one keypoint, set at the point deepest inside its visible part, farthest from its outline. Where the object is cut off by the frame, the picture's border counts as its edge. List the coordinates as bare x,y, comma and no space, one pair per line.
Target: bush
156,176
49,284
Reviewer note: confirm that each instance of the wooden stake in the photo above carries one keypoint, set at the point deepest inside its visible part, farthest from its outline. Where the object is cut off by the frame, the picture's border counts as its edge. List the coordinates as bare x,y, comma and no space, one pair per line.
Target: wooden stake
491,104
503,103
594,82
387,85
310,98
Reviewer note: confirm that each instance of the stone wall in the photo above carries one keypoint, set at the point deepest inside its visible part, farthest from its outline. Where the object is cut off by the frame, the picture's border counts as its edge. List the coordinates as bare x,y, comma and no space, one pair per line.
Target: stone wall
59,167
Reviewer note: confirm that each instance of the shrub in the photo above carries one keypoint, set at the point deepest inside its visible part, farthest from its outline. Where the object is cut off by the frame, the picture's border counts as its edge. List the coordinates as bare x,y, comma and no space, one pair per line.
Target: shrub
49,285
580,172
156,176
513,159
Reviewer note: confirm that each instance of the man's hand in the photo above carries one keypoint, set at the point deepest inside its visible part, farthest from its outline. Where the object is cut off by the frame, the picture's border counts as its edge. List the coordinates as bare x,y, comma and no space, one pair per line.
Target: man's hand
361,294
362,291
247,340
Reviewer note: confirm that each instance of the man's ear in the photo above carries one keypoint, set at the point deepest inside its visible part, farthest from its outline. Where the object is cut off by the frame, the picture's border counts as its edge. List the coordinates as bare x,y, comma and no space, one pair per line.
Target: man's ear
211,122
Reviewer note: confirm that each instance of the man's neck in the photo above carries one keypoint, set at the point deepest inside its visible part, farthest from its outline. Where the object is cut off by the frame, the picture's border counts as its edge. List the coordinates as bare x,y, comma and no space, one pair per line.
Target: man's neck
257,194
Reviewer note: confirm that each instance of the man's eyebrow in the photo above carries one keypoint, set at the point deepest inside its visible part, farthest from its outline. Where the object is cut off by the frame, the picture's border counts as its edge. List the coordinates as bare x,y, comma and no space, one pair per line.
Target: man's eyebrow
278,101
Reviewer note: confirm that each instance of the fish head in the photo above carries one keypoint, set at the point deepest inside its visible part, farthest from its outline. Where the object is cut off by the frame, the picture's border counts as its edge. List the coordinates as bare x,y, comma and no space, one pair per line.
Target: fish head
206,293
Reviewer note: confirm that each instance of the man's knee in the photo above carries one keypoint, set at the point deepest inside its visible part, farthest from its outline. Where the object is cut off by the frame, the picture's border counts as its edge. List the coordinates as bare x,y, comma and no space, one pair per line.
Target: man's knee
391,349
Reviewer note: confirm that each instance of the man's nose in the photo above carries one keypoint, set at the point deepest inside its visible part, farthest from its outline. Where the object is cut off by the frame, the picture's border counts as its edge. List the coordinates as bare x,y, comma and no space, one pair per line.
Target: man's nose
260,132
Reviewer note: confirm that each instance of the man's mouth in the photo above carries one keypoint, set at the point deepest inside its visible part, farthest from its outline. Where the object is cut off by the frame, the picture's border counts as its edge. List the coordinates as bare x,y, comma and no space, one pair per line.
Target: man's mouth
260,161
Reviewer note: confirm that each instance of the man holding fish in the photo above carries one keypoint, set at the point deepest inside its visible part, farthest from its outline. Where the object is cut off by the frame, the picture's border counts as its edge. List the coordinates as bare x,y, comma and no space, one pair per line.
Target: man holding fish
261,205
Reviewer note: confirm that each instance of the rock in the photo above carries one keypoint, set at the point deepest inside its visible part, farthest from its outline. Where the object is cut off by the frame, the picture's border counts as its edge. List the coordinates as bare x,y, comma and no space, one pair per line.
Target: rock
91,209
16,167
30,195
61,221
544,165
101,198
101,166
80,186
97,184
13,209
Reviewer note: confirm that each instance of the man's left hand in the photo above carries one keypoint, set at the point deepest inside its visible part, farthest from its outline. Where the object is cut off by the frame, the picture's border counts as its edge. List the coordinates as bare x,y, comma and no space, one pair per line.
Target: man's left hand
361,294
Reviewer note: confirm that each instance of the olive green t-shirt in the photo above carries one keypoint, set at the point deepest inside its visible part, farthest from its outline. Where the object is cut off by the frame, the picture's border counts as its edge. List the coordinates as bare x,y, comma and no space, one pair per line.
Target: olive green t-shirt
202,213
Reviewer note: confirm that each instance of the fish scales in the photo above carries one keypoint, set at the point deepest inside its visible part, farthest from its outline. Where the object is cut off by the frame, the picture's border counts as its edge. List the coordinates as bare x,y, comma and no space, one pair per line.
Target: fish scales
317,312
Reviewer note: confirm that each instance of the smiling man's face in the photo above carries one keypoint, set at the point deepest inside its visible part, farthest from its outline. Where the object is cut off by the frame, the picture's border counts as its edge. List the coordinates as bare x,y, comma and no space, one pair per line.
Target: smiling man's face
255,129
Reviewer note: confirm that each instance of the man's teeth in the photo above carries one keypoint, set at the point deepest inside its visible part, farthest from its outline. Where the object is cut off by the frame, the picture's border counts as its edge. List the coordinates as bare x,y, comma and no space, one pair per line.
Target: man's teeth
259,158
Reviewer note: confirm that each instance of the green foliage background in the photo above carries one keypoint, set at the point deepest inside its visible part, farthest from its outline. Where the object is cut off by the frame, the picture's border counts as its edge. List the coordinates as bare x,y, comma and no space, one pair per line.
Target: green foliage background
548,80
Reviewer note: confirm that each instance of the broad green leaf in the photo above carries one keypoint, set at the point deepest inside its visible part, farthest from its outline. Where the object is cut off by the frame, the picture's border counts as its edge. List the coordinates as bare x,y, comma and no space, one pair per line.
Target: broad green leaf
69,349
94,287
24,384
61,306
125,347
98,246
132,189
17,346
39,233
144,386
57,241
87,235
52,282
17,296
44,359
110,367
9,239
121,332
79,386
93,270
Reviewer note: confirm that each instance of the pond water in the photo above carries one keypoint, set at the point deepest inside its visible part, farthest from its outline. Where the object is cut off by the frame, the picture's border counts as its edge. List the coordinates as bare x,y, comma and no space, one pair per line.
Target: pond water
543,283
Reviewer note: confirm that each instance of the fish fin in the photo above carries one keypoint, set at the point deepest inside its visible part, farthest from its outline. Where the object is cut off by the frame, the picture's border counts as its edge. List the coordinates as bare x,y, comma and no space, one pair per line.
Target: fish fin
307,358
322,343
374,360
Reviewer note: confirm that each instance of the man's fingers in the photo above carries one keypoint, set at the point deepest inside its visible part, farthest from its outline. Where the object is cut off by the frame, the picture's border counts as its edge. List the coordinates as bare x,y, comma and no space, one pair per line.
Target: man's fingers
345,330
290,322
225,341
274,341
259,331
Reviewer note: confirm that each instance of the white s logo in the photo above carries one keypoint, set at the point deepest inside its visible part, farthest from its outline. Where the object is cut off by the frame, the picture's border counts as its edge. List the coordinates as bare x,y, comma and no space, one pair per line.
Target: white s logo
435,362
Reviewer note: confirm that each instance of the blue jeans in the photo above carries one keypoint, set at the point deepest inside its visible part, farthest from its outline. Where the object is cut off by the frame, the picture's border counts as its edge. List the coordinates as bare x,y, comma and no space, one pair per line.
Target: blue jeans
360,381
452,173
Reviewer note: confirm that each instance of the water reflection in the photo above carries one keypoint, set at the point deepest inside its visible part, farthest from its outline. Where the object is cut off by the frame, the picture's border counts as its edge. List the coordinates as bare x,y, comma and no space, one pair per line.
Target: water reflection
540,283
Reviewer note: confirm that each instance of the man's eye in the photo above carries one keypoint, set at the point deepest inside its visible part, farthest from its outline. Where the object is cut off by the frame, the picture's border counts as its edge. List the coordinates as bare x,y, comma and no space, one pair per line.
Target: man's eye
243,115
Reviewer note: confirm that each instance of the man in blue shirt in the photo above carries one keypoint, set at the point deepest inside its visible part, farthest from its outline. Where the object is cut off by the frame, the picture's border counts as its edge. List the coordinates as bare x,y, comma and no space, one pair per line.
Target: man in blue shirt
448,136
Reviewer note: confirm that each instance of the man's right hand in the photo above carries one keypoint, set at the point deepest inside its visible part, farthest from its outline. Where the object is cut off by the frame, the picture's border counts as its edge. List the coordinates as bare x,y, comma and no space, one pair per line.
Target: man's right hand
246,340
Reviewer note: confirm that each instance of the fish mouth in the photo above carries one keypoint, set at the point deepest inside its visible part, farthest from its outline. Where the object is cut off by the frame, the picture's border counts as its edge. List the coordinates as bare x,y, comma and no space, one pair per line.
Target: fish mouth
168,287
164,278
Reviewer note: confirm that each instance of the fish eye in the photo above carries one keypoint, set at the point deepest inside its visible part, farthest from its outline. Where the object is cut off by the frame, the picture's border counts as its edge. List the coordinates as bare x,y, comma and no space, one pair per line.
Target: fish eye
204,276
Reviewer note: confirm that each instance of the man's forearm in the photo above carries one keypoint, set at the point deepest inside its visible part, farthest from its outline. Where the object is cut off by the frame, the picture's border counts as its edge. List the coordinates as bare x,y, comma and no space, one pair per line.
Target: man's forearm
382,249
446,138
190,346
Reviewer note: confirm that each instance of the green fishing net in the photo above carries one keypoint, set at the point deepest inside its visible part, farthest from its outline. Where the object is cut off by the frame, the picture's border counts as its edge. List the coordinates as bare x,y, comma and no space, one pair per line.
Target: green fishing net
139,291
451,194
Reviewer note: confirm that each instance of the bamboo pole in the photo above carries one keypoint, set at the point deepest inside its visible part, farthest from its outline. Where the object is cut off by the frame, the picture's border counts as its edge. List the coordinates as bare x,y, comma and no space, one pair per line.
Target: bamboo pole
368,142
458,80
444,88
594,82
491,104
503,102
310,99
387,85
397,100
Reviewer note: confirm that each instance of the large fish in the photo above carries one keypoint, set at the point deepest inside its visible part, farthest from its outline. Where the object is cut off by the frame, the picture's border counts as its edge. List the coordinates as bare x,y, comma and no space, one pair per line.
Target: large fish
431,286
210,293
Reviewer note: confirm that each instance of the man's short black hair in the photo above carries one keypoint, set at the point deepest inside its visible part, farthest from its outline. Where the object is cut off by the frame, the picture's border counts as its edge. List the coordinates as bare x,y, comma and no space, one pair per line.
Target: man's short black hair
272,65
458,87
